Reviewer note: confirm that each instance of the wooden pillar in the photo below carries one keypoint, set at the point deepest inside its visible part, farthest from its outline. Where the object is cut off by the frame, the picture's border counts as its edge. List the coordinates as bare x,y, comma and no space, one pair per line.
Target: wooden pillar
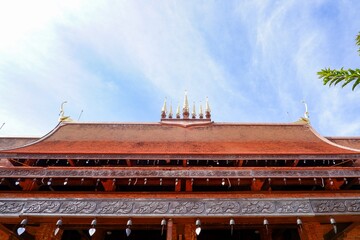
266,234
4,235
29,185
352,232
189,232
175,232
188,185
98,235
7,234
178,185
169,232
46,232
311,231
257,184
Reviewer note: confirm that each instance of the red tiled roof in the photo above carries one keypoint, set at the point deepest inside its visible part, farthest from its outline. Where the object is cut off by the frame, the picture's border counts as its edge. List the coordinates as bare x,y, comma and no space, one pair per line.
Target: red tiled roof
12,142
352,142
158,138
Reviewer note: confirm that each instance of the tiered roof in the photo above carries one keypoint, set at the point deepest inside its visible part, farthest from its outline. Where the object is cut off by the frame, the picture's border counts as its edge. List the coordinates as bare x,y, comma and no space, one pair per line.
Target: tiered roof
183,137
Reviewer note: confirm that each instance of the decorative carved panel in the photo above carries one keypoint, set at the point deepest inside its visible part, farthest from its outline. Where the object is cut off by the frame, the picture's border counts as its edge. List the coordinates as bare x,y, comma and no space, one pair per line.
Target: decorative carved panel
178,207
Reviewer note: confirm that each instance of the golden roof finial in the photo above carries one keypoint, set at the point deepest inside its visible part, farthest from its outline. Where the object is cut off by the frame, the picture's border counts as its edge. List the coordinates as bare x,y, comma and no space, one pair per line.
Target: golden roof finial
186,103
164,110
186,107
201,115
178,111
170,111
62,117
193,114
207,109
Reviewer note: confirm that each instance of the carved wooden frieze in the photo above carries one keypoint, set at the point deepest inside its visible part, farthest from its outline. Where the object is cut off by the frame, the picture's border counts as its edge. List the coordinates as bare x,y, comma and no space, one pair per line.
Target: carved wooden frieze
178,207
176,173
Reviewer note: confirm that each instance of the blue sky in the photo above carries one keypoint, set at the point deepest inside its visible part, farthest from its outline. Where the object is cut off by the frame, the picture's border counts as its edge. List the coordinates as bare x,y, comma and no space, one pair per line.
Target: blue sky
118,60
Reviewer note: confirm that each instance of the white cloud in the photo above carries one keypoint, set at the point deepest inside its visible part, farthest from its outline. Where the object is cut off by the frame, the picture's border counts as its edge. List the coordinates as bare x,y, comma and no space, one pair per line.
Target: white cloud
255,60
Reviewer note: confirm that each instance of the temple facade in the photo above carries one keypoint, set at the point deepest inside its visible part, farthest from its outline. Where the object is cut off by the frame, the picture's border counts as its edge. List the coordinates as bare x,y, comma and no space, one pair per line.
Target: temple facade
182,178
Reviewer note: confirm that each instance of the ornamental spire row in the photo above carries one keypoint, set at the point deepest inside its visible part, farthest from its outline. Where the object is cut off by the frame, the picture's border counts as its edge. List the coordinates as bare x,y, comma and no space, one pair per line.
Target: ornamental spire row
186,111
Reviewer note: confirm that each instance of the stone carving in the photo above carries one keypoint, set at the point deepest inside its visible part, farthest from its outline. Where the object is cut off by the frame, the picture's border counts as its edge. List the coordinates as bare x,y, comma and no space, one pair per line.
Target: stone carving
11,207
226,207
151,208
179,207
256,207
117,207
42,207
293,207
78,207
191,207
325,206
353,205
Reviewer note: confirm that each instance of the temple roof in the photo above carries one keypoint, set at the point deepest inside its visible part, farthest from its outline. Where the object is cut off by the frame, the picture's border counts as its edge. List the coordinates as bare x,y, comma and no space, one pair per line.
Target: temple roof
352,142
187,137
13,142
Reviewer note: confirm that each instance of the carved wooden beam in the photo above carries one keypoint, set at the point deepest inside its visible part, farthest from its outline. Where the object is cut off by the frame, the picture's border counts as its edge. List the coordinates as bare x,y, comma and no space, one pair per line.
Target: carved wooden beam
179,172
183,207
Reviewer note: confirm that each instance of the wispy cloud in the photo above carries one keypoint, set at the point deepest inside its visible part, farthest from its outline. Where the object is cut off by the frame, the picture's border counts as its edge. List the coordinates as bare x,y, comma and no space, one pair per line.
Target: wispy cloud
117,60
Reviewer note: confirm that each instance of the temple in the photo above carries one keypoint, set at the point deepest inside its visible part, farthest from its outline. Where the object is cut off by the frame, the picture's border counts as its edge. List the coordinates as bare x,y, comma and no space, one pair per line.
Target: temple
182,178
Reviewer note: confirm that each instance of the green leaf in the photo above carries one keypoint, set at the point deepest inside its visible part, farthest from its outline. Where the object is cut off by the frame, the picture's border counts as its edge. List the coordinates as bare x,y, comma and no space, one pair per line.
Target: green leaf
356,83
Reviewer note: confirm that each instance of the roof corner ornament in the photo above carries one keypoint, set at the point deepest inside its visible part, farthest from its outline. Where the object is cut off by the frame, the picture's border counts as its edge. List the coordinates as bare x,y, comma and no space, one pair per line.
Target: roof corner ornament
207,109
62,117
306,118
186,107
306,113
164,110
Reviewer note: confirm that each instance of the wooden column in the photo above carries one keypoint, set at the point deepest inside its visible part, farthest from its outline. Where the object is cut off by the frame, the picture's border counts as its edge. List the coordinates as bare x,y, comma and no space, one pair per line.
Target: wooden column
169,232
311,231
352,232
188,185
257,184
189,232
99,235
266,235
29,185
46,232
4,233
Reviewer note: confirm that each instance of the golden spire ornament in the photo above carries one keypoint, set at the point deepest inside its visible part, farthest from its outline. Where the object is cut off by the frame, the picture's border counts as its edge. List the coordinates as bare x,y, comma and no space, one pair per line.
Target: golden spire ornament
193,114
201,115
207,109
163,110
170,111
178,111
186,107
